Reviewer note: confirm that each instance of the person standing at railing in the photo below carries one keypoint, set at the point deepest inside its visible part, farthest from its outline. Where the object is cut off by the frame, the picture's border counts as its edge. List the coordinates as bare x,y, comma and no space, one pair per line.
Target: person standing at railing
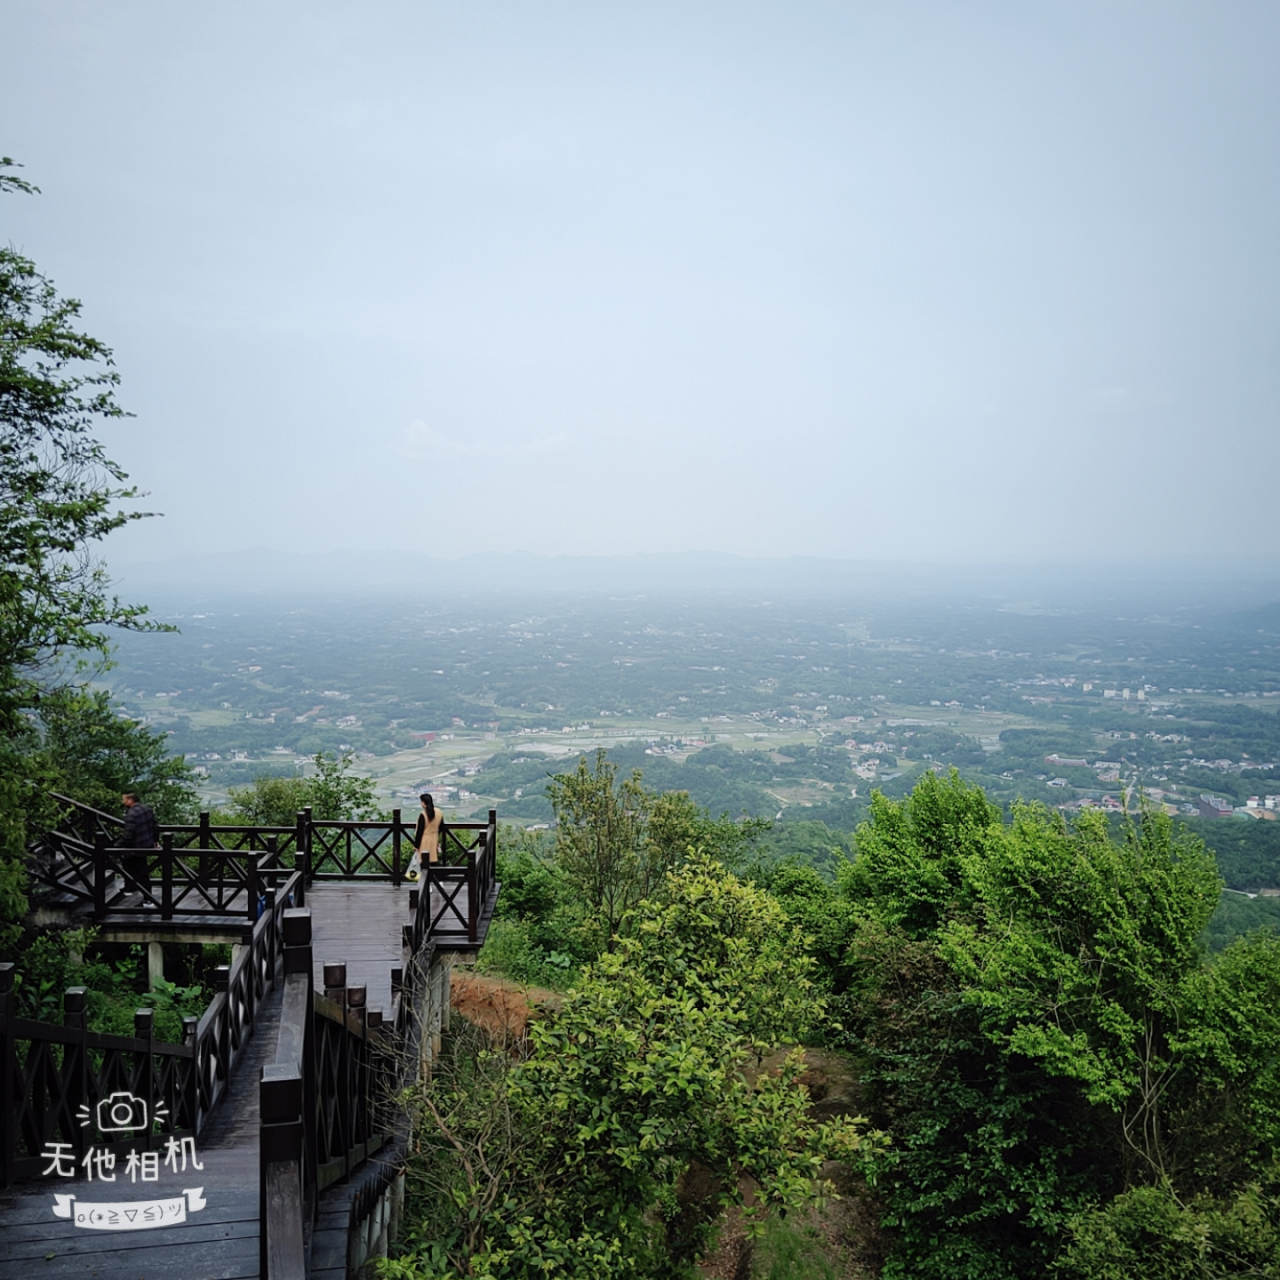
141,831
426,837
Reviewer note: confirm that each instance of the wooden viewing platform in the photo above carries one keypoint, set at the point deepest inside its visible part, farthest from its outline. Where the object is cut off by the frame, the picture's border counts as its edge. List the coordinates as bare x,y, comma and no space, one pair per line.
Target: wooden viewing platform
335,998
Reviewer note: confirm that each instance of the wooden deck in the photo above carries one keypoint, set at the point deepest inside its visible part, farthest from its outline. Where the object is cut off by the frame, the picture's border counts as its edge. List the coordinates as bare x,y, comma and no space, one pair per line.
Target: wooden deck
359,925
356,924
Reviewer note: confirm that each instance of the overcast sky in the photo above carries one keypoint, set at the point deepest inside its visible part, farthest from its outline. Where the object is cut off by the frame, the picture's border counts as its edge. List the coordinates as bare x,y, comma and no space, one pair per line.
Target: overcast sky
938,281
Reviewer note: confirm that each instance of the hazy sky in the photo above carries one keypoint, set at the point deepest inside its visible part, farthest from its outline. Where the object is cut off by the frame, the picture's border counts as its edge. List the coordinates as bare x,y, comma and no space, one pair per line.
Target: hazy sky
884,279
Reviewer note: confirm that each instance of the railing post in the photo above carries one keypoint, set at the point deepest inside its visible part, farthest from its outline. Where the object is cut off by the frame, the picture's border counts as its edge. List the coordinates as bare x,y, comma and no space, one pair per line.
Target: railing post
221,984
473,893
166,876
249,968
7,1062
99,876
75,1063
281,1184
190,1025
296,927
302,853
335,983
252,891
355,1087
395,847
204,840
297,941
491,853
268,941
144,1029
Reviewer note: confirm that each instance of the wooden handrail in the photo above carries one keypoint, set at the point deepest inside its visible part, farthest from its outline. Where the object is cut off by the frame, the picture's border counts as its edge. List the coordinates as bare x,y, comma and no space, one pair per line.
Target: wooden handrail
300,1148
286,1092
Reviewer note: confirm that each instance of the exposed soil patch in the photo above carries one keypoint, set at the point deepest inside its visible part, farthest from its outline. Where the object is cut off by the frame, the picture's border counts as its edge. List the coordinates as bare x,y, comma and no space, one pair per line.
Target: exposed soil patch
502,1008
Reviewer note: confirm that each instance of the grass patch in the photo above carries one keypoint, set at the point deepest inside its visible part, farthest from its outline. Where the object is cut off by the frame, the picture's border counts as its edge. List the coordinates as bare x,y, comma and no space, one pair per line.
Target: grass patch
791,1251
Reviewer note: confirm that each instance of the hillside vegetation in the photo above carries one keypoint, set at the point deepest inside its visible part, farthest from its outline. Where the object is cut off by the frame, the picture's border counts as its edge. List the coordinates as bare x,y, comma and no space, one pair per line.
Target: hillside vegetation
1059,1078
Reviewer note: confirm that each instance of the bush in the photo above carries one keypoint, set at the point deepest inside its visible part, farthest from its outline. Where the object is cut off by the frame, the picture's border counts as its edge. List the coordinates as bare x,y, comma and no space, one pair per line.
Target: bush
1147,1232
59,959
510,951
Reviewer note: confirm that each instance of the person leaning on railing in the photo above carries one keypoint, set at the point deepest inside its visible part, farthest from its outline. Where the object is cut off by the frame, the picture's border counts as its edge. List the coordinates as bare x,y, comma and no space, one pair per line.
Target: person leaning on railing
426,837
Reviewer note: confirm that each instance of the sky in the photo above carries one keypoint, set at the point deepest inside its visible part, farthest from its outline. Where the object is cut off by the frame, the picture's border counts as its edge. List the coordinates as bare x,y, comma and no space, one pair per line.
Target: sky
939,282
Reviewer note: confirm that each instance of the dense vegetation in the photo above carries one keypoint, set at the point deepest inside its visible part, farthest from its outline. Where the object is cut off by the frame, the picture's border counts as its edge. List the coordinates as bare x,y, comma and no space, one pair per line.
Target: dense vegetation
1070,1083
576,1156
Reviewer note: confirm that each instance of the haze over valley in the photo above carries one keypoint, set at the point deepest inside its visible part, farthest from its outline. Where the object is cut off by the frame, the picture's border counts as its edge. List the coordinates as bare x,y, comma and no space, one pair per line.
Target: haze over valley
791,707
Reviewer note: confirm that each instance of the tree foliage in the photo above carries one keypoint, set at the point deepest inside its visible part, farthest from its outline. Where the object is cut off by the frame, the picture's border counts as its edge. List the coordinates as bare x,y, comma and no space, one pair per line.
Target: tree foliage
60,495
1047,1044
90,751
333,791
602,841
571,1161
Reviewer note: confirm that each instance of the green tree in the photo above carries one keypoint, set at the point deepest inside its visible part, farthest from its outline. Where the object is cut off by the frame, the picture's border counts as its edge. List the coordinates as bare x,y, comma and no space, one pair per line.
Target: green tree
337,793
1077,955
1152,1233
334,793
89,751
267,802
60,495
1043,1035
602,841
677,824
574,1162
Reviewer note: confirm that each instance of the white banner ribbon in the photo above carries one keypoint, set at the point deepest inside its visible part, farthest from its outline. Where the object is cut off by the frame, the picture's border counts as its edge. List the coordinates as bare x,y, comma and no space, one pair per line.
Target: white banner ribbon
129,1215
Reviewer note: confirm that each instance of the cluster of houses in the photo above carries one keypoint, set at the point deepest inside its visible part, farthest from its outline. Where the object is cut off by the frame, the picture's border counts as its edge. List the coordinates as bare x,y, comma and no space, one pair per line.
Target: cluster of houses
1254,807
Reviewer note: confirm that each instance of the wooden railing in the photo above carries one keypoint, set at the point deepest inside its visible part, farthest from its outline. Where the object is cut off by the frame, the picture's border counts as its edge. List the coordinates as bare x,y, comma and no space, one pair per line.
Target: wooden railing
237,837
48,1073
84,821
166,880
229,870
227,874
325,1100
468,864
50,1077
221,1032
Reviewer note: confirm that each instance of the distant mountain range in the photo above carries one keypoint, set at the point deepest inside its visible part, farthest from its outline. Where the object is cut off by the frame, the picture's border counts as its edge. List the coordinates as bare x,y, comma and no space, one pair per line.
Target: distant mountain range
343,574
